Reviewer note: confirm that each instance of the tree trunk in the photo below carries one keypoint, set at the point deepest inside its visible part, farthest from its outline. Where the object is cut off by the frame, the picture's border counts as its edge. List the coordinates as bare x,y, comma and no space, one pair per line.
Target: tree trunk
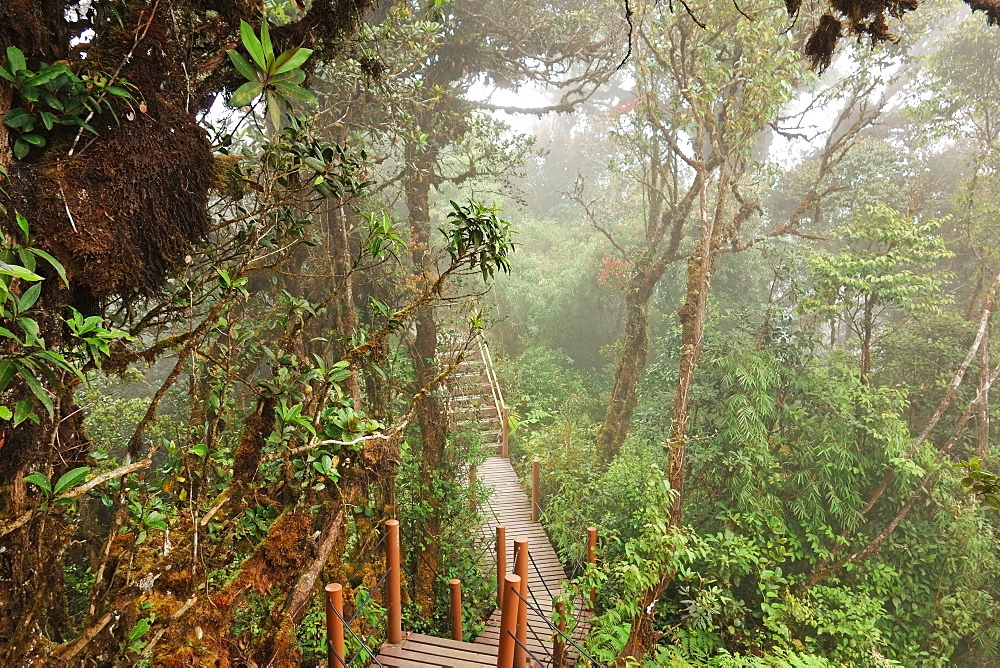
983,444
692,315
430,411
631,363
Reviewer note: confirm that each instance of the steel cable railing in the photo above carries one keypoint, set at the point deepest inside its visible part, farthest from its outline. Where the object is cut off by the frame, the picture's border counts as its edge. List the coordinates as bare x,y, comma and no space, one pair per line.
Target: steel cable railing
555,628
368,556
534,633
526,650
363,646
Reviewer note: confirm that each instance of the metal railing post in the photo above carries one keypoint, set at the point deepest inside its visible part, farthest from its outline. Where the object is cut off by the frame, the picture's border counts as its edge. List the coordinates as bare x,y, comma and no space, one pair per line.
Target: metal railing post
508,622
335,625
521,570
592,559
534,491
558,644
457,627
501,562
395,608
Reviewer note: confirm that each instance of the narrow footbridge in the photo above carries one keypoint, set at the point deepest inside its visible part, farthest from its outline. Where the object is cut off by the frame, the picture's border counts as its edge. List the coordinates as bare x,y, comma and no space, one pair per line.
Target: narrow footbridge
523,630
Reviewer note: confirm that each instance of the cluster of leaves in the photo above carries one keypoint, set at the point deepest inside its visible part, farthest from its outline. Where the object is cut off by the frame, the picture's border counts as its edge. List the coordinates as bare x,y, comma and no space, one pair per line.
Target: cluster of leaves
984,484
56,96
276,76
478,238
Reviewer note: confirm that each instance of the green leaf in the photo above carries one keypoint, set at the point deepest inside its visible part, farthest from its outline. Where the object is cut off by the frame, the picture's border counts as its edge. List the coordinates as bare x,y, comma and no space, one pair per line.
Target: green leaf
41,481
36,389
139,630
30,296
245,94
19,118
295,92
54,263
70,479
290,77
252,45
242,66
15,59
5,413
265,44
23,410
18,272
29,327
199,450
48,119
22,222
291,59
21,149
37,140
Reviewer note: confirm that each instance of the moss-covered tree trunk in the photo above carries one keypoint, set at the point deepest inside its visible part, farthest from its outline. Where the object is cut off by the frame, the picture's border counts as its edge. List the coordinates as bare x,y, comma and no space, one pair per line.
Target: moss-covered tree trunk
430,410
632,361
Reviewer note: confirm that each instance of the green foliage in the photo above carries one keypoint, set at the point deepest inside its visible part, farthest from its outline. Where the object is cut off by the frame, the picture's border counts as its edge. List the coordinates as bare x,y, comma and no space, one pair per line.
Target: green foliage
890,260
56,96
478,238
277,77
26,358
984,484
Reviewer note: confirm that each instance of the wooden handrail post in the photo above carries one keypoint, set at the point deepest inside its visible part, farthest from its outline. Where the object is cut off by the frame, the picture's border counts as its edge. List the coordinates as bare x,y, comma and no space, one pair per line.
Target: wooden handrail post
395,596
521,570
508,622
558,644
335,625
457,627
505,432
592,559
501,562
535,496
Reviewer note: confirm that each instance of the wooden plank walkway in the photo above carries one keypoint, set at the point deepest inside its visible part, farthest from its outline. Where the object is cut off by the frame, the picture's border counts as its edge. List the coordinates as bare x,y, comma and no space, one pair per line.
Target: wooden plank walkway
509,506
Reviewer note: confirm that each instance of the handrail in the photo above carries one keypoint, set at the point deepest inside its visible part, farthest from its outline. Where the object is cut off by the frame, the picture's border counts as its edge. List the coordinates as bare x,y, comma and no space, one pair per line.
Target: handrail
491,374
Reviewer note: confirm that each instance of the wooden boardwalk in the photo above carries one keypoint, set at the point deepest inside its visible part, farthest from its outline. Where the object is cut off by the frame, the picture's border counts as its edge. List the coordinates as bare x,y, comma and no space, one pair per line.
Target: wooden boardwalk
475,403
509,506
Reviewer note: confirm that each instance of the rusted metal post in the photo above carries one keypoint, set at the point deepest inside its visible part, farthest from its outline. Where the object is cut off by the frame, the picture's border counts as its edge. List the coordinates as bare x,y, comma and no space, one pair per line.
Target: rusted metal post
535,510
395,608
558,644
521,570
508,622
335,625
505,432
592,559
456,609
501,562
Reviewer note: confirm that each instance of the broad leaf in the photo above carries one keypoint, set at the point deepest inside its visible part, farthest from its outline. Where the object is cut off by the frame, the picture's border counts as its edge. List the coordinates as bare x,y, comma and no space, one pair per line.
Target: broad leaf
252,45
245,94
291,59
242,66
18,272
41,481
70,479
15,60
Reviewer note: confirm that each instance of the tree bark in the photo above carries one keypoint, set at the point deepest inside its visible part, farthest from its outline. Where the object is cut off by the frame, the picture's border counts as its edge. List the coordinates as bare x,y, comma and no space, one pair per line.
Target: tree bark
431,415
628,372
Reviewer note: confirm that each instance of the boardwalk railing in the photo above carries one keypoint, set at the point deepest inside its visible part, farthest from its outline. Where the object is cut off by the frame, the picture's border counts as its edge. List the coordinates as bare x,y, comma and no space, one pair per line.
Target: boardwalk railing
501,406
513,648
